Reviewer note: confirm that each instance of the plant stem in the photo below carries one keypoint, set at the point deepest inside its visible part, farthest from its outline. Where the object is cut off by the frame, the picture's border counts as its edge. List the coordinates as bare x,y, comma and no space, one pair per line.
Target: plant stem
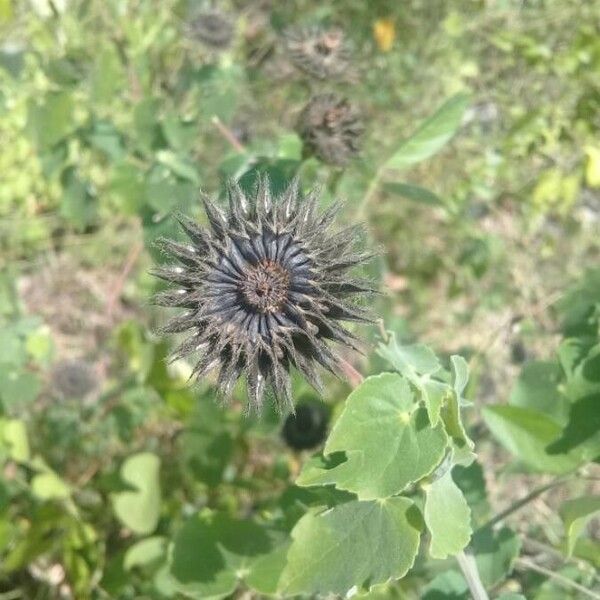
468,566
373,185
228,135
354,377
560,579
526,500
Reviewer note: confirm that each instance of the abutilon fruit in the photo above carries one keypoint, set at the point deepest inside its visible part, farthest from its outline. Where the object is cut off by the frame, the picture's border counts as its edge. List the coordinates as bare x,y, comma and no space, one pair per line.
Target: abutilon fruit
73,378
213,28
331,127
323,53
266,287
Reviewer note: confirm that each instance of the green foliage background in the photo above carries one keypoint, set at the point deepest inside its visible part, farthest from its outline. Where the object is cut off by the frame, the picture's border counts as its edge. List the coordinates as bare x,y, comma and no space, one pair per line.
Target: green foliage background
480,182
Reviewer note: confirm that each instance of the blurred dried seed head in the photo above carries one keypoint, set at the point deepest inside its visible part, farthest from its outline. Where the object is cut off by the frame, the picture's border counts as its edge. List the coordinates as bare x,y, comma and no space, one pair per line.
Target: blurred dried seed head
73,378
213,28
265,289
331,127
320,52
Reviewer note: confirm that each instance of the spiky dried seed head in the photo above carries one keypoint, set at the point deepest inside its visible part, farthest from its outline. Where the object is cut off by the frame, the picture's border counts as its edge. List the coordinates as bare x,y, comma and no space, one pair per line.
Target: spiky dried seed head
331,127
266,287
213,28
73,378
323,53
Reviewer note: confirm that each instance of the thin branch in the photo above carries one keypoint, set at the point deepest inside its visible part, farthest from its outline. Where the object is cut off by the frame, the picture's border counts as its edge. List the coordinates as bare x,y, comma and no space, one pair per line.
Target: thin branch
565,582
526,500
117,289
468,566
536,546
228,134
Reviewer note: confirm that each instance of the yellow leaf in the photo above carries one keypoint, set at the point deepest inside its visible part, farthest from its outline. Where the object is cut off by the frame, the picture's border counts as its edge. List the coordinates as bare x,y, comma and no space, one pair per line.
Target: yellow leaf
384,32
592,167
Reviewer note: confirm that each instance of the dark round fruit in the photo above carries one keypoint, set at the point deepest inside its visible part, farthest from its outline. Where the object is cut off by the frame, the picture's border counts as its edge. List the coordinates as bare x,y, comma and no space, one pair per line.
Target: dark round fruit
307,428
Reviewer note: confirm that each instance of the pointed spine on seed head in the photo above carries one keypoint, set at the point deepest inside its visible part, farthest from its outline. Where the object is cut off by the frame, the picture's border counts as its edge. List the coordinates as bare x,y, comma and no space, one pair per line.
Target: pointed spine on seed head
266,288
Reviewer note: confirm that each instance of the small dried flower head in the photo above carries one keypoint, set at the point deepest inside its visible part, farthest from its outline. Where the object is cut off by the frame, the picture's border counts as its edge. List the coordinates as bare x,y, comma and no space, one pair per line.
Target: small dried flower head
265,288
331,127
213,28
73,378
320,52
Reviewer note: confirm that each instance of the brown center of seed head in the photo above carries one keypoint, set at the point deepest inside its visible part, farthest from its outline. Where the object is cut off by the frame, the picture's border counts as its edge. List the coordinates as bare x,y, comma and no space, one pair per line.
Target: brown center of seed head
329,42
266,286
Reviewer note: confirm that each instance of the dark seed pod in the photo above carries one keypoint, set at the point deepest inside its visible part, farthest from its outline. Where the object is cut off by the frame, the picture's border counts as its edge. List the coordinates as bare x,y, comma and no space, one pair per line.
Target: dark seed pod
264,289
307,428
331,127
73,378
320,52
213,28
518,352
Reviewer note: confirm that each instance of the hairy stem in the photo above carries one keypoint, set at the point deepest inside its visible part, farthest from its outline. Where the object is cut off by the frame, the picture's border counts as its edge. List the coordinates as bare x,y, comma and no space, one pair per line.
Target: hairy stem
468,566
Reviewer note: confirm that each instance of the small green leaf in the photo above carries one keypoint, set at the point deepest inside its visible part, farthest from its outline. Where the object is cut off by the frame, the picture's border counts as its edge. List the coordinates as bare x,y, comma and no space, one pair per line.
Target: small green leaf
581,435
18,388
127,187
145,552
39,344
431,136
266,570
462,445
78,205
48,485
537,389
140,509
290,147
353,544
447,516
471,481
575,515
104,136
414,192
418,363
449,585
147,133
212,552
52,120
179,165
495,553
107,75
13,435
460,374
411,360
581,364
527,434
578,305
387,440
434,394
